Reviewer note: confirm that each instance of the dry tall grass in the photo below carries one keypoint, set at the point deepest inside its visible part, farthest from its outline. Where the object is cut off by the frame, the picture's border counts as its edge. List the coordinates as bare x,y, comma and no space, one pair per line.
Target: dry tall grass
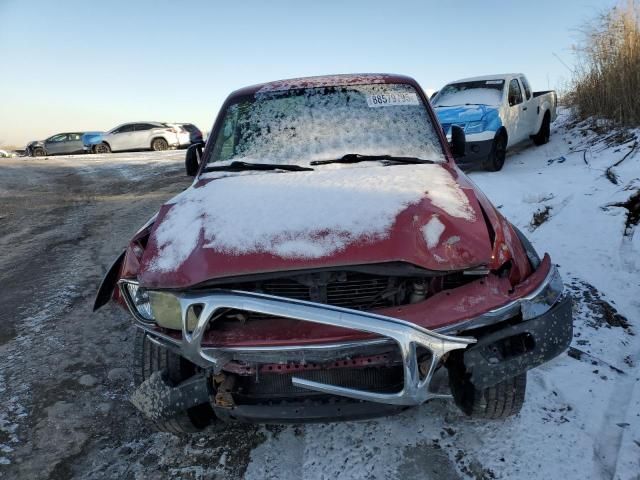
607,79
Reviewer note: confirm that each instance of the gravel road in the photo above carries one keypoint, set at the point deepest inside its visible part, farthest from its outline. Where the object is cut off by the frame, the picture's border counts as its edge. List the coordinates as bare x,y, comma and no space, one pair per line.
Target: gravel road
65,372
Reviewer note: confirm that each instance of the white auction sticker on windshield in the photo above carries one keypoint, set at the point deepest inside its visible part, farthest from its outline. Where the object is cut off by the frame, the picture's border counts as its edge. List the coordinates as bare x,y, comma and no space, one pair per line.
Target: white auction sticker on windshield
389,99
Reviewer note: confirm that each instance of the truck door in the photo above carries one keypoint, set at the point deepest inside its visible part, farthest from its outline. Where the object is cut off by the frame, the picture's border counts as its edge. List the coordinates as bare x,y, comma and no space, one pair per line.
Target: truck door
515,105
530,110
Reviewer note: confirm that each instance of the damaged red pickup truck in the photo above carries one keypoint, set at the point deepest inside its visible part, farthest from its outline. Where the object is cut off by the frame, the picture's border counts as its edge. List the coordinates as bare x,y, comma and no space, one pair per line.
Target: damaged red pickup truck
331,262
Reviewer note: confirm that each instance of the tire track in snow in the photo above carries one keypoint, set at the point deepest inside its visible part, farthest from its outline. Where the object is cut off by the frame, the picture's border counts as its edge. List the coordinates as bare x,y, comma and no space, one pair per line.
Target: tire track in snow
609,441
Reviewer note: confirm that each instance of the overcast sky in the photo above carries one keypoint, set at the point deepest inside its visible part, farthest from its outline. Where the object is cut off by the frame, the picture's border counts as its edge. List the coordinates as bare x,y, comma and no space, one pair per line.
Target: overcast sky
80,65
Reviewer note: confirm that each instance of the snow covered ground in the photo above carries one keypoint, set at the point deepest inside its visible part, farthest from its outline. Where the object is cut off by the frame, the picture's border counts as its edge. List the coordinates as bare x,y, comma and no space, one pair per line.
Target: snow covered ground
581,418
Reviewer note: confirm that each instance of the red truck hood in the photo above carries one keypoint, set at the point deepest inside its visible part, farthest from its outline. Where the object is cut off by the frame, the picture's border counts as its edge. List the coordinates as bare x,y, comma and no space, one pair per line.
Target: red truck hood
230,225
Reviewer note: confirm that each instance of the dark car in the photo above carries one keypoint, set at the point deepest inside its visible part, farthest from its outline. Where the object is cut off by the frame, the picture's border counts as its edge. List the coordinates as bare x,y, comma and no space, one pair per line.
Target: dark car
330,262
58,144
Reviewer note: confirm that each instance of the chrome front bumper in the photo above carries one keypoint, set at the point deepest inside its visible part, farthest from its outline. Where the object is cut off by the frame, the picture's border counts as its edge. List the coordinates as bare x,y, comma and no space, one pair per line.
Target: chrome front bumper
408,337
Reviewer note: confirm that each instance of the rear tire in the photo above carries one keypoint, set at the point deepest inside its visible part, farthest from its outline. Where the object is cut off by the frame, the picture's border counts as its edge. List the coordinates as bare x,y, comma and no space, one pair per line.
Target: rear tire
544,133
149,358
495,160
159,145
102,148
502,400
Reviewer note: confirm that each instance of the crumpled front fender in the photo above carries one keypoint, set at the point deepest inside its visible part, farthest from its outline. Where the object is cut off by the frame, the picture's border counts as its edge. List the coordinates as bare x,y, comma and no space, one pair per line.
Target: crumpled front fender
109,283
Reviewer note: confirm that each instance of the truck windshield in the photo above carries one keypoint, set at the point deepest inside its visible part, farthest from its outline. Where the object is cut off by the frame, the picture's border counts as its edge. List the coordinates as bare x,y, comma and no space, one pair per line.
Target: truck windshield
302,125
481,92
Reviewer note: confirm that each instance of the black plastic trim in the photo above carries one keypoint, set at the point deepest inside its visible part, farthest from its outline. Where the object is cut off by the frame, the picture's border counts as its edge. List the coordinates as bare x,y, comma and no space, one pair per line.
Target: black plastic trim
109,283
308,411
475,159
550,334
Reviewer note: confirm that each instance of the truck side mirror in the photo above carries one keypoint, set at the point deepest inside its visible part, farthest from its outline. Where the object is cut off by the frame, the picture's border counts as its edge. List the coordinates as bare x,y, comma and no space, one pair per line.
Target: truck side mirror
458,141
193,158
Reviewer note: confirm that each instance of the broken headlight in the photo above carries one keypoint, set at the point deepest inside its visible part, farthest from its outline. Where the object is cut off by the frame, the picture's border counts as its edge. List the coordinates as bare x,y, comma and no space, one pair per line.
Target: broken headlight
168,313
139,300
166,310
532,255
162,308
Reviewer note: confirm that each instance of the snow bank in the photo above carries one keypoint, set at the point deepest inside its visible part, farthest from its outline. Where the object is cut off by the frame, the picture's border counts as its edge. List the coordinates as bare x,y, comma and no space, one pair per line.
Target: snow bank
301,214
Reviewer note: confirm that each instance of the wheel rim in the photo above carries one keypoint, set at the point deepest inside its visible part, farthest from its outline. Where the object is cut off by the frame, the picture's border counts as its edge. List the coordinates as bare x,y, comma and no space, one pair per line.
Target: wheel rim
161,145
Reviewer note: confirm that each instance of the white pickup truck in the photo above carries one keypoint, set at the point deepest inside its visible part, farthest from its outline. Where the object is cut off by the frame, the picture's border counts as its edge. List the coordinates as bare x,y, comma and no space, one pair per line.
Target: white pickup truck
496,112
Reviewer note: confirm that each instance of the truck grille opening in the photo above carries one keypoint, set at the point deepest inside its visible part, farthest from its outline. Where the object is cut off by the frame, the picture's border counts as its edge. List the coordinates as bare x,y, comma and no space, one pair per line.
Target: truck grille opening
275,386
354,290
357,291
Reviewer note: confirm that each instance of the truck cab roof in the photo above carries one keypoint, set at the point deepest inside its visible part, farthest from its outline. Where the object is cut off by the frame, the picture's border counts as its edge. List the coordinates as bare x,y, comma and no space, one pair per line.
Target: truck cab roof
497,76
324,81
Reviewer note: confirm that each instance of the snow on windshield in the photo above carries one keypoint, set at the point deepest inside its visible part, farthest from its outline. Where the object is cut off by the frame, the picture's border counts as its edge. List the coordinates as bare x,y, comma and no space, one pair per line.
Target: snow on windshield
318,213
322,81
485,92
323,123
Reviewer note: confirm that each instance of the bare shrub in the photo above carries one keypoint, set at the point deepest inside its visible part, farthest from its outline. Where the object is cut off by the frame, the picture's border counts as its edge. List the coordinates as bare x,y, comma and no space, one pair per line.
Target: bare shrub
607,80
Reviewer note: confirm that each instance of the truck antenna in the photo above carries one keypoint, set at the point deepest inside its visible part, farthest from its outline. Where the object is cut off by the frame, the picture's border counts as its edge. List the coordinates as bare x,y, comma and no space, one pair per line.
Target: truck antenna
562,62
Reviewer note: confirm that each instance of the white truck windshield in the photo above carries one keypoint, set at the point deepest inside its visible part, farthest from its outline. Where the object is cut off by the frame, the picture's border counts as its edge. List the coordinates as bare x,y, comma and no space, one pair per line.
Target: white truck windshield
483,92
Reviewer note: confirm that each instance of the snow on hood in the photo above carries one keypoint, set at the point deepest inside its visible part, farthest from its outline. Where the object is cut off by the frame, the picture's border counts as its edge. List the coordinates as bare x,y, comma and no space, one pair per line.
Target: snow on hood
462,113
299,214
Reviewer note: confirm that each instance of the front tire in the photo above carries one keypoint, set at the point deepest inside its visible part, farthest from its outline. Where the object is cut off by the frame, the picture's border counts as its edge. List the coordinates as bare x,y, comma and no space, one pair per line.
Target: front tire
149,358
102,148
38,152
502,400
159,145
495,160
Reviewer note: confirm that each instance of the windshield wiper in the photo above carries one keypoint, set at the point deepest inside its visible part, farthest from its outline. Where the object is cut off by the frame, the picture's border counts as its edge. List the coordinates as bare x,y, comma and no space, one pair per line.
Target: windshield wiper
356,158
242,166
460,105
